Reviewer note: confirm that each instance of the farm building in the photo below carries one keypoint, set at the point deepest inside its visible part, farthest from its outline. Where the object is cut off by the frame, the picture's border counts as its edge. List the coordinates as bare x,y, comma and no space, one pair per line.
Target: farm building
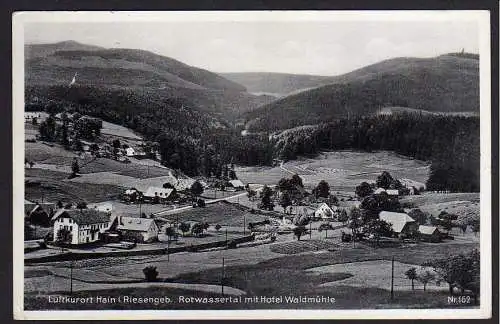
429,233
401,222
392,192
158,193
378,191
137,229
326,212
81,225
236,184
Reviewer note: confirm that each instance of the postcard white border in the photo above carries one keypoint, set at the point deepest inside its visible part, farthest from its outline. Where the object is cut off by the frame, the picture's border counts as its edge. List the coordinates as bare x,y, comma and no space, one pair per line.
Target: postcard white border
482,17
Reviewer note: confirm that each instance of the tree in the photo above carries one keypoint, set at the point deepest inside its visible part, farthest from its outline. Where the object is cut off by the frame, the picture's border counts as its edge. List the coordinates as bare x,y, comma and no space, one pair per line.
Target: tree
59,204
378,228
285,200
343,217
218,227
374,204
299,231
31,163
266,202
200,203
150,273
196,188
355,221
232,175
68,206
474,224
425,277
81,205
75,168
384,180
184,227
322,189
285,184
419,216
363,190
296,180
197,229
64,236
412,275
170,232
457,270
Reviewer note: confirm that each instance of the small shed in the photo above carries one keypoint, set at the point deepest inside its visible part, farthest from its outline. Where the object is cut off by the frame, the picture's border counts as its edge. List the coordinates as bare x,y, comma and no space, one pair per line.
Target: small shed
429,233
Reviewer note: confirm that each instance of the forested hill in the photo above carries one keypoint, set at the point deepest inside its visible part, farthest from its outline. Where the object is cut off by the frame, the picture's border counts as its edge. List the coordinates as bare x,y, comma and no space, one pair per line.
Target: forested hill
451,143
447,83
51,65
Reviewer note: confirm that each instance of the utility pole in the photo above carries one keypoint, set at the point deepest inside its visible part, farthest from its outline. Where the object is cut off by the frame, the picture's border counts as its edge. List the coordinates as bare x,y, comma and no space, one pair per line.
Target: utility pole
310,230
222,279
168,250
226,236
244,225
392,279
71,277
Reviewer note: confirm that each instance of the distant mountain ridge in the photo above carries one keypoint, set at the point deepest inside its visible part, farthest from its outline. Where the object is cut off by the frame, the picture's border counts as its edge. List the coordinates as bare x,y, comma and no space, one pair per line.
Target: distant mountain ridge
277,84
50,65
447,83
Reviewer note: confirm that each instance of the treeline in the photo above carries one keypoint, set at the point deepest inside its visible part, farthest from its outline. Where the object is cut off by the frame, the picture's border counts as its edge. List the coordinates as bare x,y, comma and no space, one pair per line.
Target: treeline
451,143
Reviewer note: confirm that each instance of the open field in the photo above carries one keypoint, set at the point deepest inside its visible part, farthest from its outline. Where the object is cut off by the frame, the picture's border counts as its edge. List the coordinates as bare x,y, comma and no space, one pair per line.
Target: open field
344,170
219,213
261,175
52,187
119,131
255,269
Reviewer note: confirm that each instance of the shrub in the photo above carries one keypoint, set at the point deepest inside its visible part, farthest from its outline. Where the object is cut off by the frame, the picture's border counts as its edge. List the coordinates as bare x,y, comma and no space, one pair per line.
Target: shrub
150,273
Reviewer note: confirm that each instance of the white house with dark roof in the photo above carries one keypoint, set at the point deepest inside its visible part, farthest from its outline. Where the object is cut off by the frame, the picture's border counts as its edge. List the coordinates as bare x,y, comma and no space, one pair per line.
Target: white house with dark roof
326,212
84,225
138,229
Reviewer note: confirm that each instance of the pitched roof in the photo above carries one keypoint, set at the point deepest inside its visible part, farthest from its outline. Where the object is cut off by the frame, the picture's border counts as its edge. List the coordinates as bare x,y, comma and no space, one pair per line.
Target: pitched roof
236,183
398,220
161,192
83,216
135,224
379,191
429,230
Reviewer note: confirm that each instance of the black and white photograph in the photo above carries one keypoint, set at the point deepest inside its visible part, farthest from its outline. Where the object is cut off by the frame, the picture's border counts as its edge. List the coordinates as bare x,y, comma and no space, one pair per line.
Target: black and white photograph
276,164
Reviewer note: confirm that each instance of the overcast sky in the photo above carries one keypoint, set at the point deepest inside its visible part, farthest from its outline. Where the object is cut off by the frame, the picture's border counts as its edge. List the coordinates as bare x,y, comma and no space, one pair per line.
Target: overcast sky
318,47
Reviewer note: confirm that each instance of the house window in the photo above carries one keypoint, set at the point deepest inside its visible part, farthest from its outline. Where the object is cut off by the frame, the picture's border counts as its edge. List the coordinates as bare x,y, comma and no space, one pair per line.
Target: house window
71,228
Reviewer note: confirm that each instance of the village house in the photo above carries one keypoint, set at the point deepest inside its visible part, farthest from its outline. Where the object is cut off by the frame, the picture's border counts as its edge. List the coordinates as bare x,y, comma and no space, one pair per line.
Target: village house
81,226
401,222
157,194
325,212
142,230
129,151
236,184
429,233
